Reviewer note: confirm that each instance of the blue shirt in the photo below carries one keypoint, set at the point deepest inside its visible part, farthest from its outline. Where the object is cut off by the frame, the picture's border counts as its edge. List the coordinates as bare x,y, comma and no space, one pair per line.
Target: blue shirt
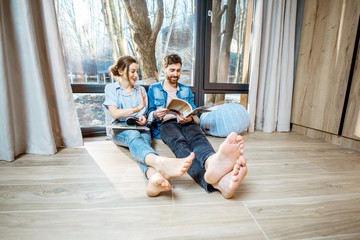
158,99
116,96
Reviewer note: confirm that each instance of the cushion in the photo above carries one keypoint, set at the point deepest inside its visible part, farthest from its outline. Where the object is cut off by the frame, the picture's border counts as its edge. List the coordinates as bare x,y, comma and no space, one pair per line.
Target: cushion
224,119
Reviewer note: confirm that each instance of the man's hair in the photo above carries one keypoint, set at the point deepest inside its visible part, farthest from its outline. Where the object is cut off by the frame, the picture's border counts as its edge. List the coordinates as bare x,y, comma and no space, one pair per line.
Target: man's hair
172,59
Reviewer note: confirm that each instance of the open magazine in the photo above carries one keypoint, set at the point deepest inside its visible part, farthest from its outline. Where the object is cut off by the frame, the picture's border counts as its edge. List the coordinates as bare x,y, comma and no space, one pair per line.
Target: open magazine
125,126
130,123
183,108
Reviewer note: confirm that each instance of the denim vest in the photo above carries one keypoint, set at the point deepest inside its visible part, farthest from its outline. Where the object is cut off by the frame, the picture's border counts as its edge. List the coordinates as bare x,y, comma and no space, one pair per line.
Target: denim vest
158,99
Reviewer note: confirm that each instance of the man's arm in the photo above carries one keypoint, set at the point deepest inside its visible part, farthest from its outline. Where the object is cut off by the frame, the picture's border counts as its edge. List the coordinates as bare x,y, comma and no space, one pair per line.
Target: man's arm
154,112
151,103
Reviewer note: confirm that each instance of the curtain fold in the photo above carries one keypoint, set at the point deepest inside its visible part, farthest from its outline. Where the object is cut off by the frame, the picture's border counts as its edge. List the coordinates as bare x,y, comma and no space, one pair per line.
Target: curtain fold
37,113
272,65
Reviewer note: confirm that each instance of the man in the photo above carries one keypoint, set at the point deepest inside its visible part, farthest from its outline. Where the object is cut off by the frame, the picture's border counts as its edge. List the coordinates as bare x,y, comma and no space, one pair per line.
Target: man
223,170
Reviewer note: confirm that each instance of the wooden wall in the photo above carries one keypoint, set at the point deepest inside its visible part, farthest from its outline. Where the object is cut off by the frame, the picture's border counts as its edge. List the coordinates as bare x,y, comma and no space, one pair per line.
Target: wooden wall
325,55
352,117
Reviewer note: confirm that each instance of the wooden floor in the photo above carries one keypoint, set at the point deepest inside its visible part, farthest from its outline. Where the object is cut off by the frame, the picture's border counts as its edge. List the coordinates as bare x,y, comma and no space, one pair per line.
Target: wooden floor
296,188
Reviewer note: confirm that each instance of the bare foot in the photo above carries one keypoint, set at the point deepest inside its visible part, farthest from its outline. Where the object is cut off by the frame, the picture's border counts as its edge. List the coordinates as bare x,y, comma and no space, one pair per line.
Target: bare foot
231,181
171,167
157,184
223,161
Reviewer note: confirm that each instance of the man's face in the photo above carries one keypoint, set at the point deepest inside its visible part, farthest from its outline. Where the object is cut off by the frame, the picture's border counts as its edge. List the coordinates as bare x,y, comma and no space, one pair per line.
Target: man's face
172,73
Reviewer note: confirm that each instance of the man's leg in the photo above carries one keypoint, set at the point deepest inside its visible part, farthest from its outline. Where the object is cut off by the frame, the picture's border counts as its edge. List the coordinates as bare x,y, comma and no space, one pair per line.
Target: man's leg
171,133
226,169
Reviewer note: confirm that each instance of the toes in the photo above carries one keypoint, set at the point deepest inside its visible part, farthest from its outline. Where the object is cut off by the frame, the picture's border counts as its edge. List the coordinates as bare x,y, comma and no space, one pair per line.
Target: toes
242,161
231,137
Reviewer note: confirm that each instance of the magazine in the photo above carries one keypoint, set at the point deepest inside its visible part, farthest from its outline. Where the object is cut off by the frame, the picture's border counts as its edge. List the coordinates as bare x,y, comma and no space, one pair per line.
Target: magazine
183,108
127,125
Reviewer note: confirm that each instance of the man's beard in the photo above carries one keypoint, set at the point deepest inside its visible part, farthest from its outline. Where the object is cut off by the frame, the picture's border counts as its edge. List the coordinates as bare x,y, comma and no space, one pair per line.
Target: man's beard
172,80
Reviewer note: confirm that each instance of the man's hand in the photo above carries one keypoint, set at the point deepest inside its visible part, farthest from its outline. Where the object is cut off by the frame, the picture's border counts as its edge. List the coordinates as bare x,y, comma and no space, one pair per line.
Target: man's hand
183,120
142,120
160,113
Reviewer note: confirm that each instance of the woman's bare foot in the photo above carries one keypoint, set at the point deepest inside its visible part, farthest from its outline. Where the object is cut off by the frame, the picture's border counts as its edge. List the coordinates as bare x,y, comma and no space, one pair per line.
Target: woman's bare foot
169,167
223,161
231,181
157,184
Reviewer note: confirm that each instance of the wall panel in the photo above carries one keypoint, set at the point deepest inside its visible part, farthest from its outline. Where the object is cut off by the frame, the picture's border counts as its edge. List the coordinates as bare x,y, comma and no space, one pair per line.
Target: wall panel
326,49
352,118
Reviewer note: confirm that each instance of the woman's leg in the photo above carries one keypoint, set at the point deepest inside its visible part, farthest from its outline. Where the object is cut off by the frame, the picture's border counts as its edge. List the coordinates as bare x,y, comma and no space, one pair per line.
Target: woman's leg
138,147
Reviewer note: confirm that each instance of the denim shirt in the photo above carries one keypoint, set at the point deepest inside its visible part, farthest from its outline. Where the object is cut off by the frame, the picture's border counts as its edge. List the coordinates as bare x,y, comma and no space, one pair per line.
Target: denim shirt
116,96
158,99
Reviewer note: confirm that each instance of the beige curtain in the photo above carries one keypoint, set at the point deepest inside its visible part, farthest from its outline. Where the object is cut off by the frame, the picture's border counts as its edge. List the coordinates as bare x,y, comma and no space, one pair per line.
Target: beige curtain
37,112
272,65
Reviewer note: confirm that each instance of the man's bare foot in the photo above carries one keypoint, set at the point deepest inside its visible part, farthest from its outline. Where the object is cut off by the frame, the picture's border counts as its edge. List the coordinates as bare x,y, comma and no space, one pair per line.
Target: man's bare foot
157,184
223,161
231,181
170,167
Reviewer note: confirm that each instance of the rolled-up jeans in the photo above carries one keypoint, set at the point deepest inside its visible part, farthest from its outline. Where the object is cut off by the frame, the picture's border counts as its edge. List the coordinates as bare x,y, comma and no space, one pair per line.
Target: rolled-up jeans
183,139
139,144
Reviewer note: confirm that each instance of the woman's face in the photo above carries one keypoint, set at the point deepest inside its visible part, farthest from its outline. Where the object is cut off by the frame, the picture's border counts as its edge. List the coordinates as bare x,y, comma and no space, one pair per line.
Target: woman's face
133,73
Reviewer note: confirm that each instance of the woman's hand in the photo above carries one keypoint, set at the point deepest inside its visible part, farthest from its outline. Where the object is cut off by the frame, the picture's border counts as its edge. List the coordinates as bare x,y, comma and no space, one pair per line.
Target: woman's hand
183,120
142,100
142,120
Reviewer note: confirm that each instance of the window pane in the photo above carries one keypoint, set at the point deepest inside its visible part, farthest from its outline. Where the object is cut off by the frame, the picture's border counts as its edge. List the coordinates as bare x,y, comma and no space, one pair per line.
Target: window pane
89,109
97,32
228,30
211,99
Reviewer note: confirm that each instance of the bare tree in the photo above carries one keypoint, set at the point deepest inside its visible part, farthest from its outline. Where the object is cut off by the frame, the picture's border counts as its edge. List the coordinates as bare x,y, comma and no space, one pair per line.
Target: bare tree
144,35
107,10
216,33
240,40
226,43
168,34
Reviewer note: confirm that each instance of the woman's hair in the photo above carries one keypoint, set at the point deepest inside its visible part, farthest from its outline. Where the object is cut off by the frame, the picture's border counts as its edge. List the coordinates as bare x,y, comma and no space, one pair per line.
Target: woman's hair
123,64
172,59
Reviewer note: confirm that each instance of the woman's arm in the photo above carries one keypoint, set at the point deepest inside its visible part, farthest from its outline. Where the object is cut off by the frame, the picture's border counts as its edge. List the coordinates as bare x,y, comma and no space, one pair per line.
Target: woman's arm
116,113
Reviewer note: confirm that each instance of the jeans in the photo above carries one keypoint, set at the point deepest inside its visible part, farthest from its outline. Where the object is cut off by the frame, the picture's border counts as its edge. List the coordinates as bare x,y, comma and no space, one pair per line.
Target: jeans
183,139
139,144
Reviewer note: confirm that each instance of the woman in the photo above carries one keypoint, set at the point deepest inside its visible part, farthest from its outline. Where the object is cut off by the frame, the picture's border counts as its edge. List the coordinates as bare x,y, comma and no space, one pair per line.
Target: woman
124,98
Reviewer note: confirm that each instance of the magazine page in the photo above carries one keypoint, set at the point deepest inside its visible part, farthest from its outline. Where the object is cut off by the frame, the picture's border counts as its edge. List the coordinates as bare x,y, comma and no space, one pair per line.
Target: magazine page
181,107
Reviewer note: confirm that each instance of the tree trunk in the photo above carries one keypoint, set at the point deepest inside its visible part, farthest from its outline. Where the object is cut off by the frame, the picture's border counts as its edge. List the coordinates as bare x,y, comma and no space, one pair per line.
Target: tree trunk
117,28
240,41
144,36
90,43
168,34
217,13
215,39
226,43
110,27
225,48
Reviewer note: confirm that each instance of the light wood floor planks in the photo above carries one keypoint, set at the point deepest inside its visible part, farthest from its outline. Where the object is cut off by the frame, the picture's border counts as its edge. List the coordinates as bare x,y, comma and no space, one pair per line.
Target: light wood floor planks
296,188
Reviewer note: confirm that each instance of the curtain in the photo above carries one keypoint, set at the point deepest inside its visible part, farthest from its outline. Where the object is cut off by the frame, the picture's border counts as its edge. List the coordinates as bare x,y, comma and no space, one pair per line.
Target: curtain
272,65
37,112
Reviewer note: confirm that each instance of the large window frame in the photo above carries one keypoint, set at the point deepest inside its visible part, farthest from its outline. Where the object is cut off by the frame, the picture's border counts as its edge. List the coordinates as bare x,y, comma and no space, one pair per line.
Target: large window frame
201,84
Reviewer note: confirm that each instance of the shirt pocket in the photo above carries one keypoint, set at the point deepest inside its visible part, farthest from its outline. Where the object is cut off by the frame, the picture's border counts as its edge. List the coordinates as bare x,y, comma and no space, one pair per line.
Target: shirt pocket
159,102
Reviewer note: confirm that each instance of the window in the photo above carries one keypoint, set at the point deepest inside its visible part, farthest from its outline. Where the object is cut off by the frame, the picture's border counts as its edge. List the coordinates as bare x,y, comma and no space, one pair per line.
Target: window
229,35
95,33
